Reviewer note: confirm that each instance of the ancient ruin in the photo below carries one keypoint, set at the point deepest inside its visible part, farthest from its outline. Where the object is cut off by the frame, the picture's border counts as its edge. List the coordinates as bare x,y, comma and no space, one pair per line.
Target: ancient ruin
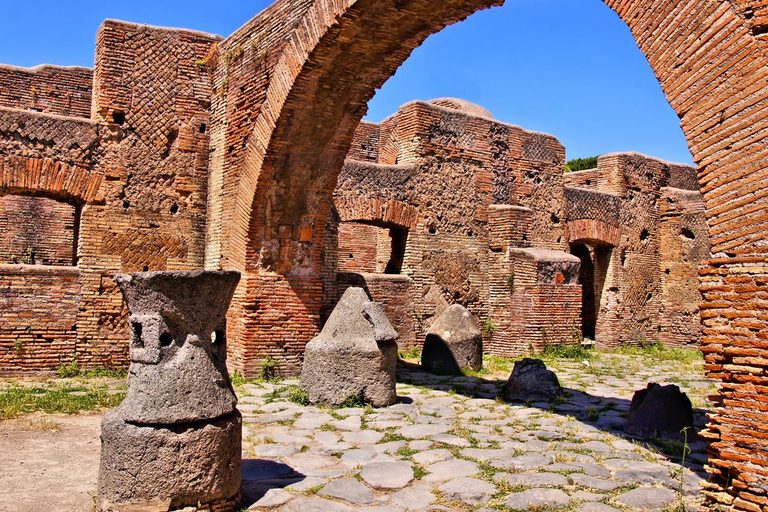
175,440
183,151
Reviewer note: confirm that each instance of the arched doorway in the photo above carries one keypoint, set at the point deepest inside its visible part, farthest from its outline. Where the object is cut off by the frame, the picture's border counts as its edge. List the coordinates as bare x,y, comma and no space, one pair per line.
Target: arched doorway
595,258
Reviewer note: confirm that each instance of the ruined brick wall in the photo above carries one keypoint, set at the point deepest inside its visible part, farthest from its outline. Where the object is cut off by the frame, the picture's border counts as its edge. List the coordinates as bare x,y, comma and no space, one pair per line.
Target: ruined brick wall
426,149
538,300
510,192
363,248
365,145
592,179
137,173
64,91
684,245
687,44
241,68
631,218
37,230
733,288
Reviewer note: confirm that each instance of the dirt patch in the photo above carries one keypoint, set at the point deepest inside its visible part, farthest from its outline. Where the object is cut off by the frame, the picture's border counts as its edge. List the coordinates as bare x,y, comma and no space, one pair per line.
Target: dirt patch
50,463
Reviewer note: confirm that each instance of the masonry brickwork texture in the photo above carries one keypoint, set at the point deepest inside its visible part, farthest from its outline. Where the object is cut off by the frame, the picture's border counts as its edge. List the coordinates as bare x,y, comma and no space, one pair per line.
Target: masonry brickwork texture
182,150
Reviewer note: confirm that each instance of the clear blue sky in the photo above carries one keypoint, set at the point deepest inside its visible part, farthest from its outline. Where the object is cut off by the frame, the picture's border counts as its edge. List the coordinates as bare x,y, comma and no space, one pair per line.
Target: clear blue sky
566,67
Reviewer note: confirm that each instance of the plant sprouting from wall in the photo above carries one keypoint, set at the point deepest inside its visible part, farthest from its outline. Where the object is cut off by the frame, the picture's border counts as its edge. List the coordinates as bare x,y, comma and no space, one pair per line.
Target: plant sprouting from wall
489,328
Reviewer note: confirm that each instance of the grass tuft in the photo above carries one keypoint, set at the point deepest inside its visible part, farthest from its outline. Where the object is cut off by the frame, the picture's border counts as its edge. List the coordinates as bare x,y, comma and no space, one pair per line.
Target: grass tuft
17,401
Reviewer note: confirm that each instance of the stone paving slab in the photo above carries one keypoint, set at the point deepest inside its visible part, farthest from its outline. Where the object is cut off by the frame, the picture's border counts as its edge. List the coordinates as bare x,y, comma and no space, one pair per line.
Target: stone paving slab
442,449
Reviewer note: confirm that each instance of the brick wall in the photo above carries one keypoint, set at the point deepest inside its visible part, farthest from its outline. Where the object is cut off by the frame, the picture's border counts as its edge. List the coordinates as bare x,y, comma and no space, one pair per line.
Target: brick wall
735,349
64,91
536,300
38,317
633,223
684,246
424,150
37,230
137,174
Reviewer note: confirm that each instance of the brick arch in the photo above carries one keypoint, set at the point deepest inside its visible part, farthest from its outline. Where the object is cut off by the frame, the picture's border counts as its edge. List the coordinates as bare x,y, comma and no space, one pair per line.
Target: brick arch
710,59
375,210
708,63
590,231
47,177
298,146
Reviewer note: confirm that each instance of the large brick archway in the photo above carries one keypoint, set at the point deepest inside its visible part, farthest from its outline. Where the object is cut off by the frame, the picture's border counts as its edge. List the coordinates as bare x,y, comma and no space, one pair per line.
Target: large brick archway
320,67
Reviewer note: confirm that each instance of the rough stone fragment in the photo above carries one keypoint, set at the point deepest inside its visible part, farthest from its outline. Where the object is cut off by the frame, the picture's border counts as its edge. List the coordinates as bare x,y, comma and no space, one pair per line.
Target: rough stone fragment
448,469
454,342
422,431
316,505
349,490
182,464
533,479
594,482
178,348
531,380
414,497
272,498
355,355
596,507
526,462
432,456
659,411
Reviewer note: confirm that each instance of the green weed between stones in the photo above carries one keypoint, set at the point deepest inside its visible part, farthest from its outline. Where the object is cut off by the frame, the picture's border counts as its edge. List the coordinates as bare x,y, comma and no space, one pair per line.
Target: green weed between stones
567,352
72,369
657,351
391,436
295,394
412,353
17,401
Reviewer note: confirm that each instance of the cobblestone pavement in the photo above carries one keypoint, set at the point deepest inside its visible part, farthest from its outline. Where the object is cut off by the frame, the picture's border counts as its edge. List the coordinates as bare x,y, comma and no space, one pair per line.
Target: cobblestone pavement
450,445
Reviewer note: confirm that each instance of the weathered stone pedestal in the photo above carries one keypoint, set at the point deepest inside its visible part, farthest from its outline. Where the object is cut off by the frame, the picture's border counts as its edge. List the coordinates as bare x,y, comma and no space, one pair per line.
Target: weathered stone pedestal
354,356
454,343
175,441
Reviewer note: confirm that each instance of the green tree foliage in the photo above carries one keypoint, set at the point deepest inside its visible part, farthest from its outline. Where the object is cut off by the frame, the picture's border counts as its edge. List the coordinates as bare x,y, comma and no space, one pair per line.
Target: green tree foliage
581,164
